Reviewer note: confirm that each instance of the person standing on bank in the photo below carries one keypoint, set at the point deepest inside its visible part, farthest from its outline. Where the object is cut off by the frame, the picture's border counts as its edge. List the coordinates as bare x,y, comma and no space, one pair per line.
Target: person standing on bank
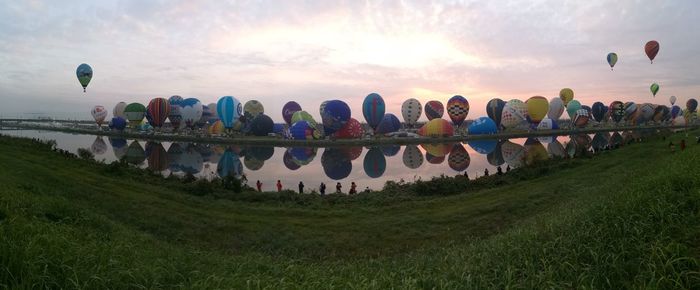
279,186
322,189
259,185
353,188
301,187
338,187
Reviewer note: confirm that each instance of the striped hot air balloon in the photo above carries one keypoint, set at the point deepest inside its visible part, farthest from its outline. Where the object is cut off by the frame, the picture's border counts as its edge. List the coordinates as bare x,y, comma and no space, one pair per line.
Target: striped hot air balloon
158,110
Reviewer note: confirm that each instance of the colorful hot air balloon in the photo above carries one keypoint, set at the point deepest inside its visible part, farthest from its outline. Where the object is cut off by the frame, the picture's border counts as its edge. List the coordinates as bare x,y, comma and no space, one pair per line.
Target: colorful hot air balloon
99,113
118,110
556,108
514,115
412,157
459,158
651,48
436,128
672,99
304,116
630,111
482,125
206,115
434,110
654,88
191,110
457,109
389,124
159,110
537,108
335,163
229,110
117,123
494,109
84,74
374,163
691,105
612,59
676,111
157,156
566,95
617,111
335,115
646,112
581,118
301,130
513,154
483,146
175,117
661,113
351,130
288,110
252,109
411,110
373,109
572,108
598,111
134,113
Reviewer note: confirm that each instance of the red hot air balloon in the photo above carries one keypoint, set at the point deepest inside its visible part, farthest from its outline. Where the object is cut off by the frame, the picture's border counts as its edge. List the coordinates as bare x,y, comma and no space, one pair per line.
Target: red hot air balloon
651,48
159,110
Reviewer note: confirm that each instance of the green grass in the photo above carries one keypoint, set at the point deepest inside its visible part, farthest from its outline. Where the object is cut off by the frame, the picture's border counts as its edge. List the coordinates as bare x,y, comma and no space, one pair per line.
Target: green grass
628,218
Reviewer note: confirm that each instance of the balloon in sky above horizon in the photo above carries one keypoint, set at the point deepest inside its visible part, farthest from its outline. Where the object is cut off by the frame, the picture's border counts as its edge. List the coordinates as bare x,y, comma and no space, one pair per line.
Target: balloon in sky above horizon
84,74
672,99
612,59
654,88
651,49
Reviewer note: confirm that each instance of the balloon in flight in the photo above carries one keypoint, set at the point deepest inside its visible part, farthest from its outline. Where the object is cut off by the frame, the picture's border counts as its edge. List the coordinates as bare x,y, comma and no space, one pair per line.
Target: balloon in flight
84,74
651,49
612,59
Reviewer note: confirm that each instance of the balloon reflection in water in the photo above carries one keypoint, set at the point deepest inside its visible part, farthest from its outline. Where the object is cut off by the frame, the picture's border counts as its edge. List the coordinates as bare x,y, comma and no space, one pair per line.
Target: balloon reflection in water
534,151
335,163
135,153
99,146
289,161
157,156
555,149
513,154
390,150
374,163
229,165
495,157
459,158
412,157
191,160
119,147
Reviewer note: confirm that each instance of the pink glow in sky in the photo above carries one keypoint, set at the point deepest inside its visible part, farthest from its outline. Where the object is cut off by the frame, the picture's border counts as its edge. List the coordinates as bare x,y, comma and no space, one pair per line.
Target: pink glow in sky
311,51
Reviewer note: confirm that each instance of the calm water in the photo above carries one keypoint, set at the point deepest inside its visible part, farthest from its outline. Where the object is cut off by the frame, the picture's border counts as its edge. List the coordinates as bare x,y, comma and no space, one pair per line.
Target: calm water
367,167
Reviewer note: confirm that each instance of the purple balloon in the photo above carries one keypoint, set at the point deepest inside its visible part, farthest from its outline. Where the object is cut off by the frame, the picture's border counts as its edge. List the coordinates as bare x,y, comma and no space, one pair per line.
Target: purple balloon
288,110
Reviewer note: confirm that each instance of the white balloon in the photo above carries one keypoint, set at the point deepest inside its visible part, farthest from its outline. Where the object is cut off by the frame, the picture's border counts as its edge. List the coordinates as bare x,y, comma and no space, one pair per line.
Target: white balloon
556,108
119,110
412,157
411,111
99,113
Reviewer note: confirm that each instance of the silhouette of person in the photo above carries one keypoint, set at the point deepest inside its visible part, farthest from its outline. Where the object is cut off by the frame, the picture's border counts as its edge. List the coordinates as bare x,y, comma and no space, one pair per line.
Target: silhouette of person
486,172
259,185
353,188
338,187
301,187
279,186
499,171
322,188
507,168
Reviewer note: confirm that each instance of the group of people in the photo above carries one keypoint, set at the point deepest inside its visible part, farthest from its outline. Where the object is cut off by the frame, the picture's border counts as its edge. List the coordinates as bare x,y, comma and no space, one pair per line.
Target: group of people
499,171
321,188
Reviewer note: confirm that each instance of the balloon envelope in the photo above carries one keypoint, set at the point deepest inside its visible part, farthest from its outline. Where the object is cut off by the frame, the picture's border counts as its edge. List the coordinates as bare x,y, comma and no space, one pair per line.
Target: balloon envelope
537,108
84,74
411,110
566,95
191,111
612,59
434,110
572,108
412,157
691,105
482,125
229,110
99,113
252,109
159,110
547,124
388,124
175,117
261,125
617,111
335,115
654,88
288,110
374,163
514,114
459,158
134,113
672,99
494,109
335,163
117,123
436,128
301,130
373,109
457,109
352,129
118,110
556,108
651,49
598,110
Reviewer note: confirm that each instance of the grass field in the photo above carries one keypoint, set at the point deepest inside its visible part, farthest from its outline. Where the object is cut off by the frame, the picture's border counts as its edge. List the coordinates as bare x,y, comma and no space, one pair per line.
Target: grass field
628,218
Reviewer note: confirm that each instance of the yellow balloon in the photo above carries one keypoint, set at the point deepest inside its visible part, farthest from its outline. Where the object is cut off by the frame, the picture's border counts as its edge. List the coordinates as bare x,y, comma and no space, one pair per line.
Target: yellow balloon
537,108
566,95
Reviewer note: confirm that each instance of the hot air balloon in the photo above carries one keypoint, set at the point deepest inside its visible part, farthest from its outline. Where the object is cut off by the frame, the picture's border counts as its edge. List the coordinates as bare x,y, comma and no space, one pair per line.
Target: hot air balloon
135,153
457,109
661,113
434,110
373,109
305,116
388,124
191,111
301,130
351,130
459,158
204,119
99,113
672,99
159,110
651,48
288,110
134,113
374,163
261,125
99,146
646,112
191,161
252,109
353,152
691,105
412,157
572,108
118,110
289,161
335,115
175,117
581,118
617,111
547,124
217,128
302,155
437,150
556,108
630,111
411,110
566,95
514,115
598,111
84,74
117,123
612,59
654,88
482,125
335,163
229,110
432,159
676,111
436,128
537,108
494,109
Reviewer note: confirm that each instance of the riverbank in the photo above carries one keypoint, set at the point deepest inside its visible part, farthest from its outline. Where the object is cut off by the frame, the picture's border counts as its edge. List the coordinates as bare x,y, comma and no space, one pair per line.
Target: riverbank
279,141
628,218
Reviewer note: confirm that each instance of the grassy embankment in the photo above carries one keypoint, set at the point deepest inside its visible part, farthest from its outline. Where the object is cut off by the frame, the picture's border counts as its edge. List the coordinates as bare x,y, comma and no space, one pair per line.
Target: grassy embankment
626,218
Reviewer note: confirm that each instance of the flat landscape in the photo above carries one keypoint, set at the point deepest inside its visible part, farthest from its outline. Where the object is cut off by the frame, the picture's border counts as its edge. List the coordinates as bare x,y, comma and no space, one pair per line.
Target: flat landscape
624,218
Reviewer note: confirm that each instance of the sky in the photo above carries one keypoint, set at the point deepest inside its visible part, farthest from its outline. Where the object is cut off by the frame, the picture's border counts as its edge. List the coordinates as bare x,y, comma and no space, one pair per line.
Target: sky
311,51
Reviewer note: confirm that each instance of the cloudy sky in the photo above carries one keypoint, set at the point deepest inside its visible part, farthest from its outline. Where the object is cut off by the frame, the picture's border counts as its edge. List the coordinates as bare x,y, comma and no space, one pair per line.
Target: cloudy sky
311,51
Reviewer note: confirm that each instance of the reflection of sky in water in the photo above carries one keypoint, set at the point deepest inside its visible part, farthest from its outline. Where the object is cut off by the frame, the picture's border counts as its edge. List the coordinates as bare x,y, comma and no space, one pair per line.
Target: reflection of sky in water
202,159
